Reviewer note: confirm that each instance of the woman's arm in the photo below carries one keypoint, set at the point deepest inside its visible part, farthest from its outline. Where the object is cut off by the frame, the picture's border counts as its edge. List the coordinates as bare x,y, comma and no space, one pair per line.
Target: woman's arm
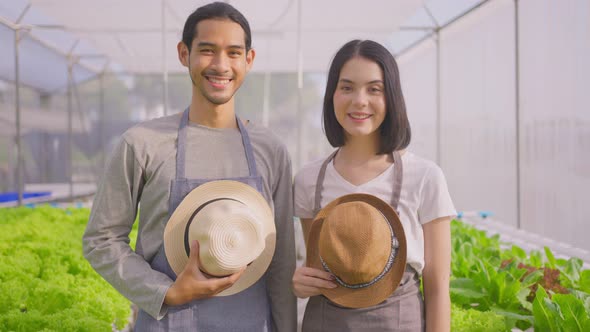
306,227
436,274
307,281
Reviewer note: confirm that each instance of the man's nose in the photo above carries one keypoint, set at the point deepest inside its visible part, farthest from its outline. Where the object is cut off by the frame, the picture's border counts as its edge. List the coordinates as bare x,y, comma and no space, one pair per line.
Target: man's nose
220,63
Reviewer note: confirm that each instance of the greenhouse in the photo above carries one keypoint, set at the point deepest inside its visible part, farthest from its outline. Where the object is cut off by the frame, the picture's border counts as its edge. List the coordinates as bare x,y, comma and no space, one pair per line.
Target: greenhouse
494,92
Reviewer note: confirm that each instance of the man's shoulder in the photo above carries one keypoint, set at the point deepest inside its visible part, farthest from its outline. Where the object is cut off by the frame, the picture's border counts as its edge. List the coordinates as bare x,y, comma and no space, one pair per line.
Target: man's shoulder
266,138
152,130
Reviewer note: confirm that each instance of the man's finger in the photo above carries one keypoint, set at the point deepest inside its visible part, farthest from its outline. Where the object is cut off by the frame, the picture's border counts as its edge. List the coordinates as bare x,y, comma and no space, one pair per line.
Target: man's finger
221,284
194,254
234,277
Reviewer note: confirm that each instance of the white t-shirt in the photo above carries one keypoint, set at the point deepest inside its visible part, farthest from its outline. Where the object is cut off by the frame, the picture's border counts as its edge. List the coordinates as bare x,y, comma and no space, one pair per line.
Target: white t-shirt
424,196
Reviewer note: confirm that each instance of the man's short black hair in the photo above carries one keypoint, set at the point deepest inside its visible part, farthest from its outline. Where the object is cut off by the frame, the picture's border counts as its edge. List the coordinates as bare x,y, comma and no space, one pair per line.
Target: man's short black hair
215,10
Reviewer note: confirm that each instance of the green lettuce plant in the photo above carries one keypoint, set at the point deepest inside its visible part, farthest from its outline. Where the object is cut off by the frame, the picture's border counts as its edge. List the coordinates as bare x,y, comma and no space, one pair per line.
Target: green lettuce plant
45,282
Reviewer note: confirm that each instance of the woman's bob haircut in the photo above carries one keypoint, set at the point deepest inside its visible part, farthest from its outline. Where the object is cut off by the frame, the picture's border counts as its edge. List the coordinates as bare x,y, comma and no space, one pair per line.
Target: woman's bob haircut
395,130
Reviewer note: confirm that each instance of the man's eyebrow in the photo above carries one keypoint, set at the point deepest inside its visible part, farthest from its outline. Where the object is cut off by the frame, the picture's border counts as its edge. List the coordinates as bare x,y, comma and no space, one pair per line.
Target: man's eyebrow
206,44
209,44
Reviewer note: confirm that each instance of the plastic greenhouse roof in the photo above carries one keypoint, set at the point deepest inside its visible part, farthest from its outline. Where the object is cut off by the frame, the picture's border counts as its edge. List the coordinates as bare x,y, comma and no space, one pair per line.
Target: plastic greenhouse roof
126,36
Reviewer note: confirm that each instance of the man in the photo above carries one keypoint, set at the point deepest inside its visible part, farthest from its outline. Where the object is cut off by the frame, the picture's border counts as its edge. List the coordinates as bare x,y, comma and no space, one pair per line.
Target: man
158,162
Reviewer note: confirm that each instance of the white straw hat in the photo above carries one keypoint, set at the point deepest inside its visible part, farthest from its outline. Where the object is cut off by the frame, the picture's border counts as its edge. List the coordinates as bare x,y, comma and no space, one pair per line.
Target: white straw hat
234,226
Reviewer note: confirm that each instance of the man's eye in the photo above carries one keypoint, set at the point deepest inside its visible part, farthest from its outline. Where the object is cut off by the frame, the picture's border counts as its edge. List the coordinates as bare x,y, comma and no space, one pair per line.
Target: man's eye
206,51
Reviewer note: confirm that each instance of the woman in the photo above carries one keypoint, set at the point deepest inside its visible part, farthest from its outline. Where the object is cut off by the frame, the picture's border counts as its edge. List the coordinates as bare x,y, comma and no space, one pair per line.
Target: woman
365,118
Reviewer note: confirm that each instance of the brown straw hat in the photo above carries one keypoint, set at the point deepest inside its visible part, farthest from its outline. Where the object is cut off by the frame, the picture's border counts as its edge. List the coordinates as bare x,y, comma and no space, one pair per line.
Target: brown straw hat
234,226
360,240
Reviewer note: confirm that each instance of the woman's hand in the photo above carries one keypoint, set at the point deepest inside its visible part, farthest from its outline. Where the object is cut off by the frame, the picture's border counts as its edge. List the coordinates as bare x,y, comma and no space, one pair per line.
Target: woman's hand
308,281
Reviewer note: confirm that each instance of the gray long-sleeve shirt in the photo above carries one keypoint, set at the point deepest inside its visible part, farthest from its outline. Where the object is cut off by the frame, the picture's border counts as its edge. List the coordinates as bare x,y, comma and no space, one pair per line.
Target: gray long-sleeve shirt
139,173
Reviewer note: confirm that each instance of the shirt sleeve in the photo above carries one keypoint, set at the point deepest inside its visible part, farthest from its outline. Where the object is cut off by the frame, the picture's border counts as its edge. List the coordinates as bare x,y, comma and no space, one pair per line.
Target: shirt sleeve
435,200
303,198
280,273
106,238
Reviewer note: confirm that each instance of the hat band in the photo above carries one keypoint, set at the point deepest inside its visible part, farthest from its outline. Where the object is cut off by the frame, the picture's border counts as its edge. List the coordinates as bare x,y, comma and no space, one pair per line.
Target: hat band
187,246
394,247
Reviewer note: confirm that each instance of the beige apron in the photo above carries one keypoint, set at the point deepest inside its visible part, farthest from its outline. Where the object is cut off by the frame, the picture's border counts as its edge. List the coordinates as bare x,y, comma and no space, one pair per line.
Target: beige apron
402,311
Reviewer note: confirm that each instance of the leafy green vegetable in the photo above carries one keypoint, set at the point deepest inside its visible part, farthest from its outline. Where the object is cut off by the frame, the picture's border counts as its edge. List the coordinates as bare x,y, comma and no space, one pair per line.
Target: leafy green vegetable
546,293
471,320
45,282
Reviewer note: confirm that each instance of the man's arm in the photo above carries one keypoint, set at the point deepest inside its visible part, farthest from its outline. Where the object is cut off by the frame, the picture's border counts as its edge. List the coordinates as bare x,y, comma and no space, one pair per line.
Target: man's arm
106,239
282,301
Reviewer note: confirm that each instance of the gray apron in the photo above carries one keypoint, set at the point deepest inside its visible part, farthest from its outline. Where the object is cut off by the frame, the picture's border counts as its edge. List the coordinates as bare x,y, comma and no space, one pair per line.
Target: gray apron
246,311
402,311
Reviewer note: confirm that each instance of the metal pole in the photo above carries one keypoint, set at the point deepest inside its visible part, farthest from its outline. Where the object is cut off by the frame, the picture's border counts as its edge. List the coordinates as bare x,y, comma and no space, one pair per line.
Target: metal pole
438,86
69,149
164,65
70,114
299,151
440,27
101,121
438,129
19,153
517,112
20,164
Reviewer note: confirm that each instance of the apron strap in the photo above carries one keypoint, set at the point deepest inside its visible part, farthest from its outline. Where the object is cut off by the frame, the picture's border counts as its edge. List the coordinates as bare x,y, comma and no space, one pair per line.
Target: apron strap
320,183
397,181
248,148
398,171
181,147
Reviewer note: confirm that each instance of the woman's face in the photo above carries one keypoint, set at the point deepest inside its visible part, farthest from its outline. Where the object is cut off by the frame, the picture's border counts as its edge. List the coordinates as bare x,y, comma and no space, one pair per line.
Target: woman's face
359,99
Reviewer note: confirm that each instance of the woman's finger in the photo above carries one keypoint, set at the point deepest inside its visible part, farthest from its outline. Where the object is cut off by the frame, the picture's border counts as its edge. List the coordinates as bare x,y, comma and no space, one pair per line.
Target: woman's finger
309,271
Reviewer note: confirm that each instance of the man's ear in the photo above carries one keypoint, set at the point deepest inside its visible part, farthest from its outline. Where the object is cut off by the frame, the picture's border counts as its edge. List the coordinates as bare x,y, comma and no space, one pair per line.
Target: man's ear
250,55
183,53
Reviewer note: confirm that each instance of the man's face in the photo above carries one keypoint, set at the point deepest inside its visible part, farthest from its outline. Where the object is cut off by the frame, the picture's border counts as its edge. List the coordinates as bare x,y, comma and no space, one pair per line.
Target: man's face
218,61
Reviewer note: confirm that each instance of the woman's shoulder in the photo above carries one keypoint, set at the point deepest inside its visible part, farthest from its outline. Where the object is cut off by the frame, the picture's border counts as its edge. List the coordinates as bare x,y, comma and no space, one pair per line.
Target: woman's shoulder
420,167
415,160
308,174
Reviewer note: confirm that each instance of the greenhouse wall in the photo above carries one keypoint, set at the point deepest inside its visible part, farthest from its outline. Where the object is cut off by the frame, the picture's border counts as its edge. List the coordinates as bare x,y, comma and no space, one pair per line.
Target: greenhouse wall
497,98
555,119
538,180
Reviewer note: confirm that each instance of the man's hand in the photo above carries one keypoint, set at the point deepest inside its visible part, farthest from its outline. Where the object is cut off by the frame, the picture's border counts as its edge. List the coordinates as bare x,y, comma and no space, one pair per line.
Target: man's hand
308,281
192,284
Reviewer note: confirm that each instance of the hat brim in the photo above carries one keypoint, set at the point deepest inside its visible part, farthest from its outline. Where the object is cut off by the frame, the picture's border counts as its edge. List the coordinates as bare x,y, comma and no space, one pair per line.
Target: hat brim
176,226
382,289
